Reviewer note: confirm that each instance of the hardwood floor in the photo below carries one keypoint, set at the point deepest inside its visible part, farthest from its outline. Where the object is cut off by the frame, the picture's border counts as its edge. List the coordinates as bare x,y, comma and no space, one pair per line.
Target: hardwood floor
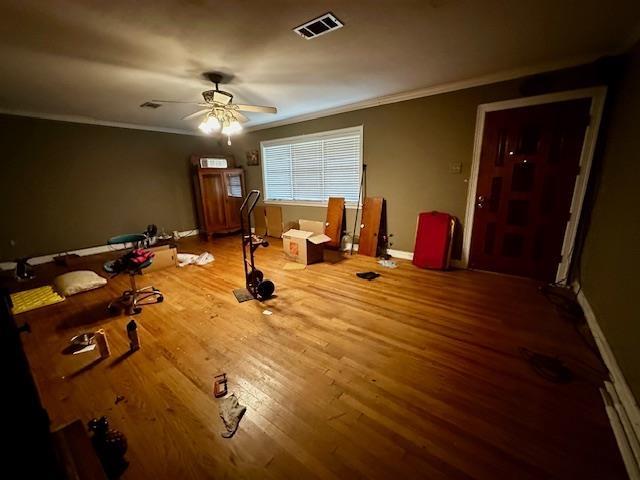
416,374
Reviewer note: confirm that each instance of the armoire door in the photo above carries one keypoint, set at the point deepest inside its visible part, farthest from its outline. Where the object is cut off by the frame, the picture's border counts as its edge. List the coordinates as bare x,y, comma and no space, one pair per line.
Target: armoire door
528,166
213,191
234,196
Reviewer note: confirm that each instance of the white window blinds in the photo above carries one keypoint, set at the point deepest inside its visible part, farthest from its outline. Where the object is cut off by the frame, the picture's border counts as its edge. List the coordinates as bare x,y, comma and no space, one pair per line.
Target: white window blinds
312,168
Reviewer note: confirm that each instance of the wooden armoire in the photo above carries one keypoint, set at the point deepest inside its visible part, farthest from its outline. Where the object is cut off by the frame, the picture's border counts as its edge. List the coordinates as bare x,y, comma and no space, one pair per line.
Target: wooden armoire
219,192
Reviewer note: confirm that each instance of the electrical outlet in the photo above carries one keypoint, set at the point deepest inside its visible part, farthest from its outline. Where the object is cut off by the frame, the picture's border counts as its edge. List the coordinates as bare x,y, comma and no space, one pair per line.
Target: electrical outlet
455,167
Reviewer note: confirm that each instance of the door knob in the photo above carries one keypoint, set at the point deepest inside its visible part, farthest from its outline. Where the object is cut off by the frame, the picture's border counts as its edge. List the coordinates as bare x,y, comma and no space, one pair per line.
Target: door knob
480,201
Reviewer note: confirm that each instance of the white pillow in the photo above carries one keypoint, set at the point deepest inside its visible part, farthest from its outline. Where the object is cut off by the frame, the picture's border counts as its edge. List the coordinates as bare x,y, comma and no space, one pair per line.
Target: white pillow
79,281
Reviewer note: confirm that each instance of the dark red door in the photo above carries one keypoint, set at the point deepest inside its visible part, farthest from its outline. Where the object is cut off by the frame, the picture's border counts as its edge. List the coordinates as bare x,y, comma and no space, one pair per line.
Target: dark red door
528,166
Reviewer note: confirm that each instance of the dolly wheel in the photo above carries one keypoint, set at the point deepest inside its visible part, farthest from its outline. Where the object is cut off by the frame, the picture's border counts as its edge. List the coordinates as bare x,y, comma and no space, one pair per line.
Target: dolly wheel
255,277
265,289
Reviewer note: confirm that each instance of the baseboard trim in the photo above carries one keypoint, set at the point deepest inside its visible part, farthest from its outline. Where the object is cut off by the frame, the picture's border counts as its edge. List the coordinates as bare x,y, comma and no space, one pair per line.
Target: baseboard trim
400,254
624,445
404,255
455,263
83,252
620,403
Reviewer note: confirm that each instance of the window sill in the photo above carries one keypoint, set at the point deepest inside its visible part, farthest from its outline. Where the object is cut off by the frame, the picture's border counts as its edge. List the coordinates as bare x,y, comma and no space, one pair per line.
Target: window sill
306,204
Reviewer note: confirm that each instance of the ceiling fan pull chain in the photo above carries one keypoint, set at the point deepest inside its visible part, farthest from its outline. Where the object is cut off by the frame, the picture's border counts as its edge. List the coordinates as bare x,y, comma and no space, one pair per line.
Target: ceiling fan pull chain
229,140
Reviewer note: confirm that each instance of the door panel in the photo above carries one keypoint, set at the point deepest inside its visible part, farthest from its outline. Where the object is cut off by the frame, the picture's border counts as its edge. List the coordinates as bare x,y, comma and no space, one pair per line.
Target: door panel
335,220
528,166
370,226
213,188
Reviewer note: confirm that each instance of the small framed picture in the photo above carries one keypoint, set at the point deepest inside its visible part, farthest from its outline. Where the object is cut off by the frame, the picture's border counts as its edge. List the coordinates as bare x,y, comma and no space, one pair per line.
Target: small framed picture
253,158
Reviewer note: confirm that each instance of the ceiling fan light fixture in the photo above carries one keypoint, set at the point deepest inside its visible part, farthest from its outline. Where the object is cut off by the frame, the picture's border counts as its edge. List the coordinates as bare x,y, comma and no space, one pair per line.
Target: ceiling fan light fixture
220,113
210,125
231,128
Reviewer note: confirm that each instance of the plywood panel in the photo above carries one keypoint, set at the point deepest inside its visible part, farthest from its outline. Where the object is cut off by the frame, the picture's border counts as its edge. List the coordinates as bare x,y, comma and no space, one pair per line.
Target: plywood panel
260,220
370,226
274,221
334,225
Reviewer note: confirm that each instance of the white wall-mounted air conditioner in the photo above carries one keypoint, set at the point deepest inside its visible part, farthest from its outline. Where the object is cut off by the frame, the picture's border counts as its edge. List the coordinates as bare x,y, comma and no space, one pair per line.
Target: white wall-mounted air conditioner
213,163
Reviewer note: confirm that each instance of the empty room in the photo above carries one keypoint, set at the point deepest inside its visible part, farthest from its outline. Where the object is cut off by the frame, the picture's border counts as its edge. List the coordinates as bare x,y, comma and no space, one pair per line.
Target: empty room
320,240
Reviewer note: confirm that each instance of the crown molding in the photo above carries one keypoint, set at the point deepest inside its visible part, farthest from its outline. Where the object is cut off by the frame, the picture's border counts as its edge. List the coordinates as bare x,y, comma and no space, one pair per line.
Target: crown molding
371,102
94,121
433,90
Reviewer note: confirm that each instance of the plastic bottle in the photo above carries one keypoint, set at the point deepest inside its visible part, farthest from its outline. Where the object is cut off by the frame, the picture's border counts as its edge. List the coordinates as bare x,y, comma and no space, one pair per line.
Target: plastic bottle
132,333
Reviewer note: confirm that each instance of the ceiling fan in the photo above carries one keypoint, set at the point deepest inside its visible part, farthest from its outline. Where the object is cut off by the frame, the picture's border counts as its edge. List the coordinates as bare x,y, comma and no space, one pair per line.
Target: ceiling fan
220,113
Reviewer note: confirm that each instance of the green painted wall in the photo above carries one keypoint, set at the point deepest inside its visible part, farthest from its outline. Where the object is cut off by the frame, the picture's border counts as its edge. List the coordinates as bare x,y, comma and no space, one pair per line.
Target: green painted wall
610,262
408,147
65,185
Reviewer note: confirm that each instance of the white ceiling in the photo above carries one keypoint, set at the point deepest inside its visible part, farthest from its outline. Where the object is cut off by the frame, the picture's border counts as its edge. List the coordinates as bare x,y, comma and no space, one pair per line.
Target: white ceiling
100,60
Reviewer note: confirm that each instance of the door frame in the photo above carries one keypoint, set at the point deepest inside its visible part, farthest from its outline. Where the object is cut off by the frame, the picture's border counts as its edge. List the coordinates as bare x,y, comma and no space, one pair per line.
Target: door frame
597,96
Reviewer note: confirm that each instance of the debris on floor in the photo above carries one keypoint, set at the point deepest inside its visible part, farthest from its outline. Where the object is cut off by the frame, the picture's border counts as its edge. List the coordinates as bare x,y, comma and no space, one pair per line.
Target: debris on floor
220,385
231,412
88,348
294,266
550,368
103,343
110,446
242,295
267,312
368,275
34,298
192,259
84,342
388,263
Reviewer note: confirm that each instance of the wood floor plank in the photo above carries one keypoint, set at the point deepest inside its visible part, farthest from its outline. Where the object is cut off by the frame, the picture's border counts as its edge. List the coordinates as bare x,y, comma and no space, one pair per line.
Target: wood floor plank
416,374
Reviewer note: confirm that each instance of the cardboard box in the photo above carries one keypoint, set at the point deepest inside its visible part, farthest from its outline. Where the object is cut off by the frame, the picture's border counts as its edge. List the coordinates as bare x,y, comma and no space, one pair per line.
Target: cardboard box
311,226
303,246
165,257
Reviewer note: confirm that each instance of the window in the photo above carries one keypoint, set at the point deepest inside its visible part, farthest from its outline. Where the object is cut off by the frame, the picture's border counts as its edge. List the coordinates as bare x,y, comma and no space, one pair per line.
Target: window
311,168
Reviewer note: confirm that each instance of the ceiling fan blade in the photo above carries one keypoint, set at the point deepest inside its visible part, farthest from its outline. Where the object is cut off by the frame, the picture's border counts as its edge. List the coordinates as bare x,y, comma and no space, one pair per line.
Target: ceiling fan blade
196,114
256,108
240,117
179,102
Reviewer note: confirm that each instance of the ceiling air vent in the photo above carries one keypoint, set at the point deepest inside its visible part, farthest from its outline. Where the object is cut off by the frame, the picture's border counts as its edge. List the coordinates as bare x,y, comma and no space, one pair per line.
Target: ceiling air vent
150,105
319,26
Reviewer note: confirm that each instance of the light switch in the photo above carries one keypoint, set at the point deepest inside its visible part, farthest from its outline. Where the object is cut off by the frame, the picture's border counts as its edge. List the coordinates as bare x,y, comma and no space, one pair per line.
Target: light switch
455,167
